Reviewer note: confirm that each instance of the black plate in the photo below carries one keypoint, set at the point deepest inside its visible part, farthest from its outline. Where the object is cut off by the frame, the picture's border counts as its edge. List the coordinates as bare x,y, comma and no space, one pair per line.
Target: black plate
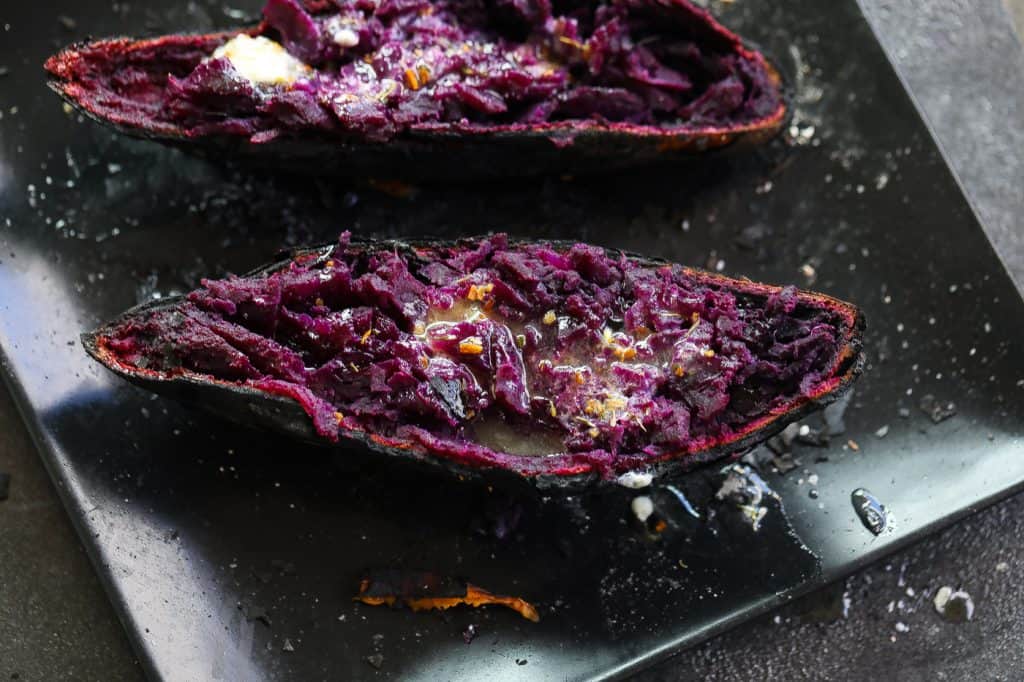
187,517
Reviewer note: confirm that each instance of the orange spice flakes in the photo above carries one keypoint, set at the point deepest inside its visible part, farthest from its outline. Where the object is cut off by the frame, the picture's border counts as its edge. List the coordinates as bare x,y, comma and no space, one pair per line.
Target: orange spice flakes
708,353
471,345
426,591
423,73
549,317
610,409
625,353
366,336
319,301
424,361
679,370
339,417
478,292
575,44
621,348
412,79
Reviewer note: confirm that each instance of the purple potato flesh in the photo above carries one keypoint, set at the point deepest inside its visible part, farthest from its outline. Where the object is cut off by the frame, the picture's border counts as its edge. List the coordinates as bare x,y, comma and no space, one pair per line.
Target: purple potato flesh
646,77
541,359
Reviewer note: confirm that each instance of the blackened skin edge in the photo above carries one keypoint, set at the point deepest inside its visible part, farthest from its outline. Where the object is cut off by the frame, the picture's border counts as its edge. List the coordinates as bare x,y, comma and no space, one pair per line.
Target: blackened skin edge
587,135
254,407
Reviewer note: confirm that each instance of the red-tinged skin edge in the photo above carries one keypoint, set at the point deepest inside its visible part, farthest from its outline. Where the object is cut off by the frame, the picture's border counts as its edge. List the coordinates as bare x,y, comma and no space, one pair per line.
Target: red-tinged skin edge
569,471
623,143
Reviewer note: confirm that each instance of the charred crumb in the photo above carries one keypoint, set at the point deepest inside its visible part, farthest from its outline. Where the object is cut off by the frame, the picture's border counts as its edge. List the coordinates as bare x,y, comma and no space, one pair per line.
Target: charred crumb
814,437
785,463
375,660
288,646
254,612
955,606
469,634
66,22
938,411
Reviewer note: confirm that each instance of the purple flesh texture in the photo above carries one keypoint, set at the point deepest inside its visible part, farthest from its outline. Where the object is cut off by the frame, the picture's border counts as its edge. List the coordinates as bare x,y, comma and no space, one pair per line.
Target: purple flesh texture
541,359
441,67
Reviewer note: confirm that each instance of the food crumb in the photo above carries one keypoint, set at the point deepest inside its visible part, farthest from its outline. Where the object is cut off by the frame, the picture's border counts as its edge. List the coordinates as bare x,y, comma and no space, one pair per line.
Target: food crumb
955,606
642,507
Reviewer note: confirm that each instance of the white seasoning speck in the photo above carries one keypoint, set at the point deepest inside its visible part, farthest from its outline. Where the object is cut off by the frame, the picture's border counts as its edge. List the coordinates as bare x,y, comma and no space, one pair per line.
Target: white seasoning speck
642,507
635,479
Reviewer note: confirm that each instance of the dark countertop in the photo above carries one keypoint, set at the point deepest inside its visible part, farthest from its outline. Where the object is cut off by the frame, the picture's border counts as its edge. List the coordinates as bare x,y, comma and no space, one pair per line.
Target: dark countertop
966,68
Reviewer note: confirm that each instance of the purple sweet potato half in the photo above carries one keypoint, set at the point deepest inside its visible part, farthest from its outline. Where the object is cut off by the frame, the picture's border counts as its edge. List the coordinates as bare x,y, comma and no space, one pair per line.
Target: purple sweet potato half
561,363
437,87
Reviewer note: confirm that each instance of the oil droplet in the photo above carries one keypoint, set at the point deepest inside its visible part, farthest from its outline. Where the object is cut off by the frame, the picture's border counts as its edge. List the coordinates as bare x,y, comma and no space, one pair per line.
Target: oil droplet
870,511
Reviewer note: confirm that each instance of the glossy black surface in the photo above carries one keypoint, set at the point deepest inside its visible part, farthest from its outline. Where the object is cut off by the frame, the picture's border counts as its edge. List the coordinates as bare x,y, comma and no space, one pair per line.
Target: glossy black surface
185,516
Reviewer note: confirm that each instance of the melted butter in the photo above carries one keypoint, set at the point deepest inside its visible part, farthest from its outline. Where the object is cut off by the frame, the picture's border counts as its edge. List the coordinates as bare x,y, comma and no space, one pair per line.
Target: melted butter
261,60
494,433
589,361
461,311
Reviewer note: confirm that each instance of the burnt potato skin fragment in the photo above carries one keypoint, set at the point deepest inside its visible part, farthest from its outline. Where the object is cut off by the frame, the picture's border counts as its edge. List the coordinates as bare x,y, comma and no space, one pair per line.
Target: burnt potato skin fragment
472,345
506,92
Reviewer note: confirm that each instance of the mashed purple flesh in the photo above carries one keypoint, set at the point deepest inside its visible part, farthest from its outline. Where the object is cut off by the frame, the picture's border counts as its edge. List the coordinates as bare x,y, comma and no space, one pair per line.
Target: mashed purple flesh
522,350
380,68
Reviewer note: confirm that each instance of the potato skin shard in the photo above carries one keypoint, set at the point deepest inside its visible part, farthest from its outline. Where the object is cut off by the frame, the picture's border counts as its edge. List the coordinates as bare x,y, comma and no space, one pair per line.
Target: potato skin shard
423,591
514,90
442,352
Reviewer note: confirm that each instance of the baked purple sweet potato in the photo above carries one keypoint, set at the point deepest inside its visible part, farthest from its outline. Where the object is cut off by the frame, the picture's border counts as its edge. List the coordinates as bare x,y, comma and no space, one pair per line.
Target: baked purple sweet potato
561,363
421,88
